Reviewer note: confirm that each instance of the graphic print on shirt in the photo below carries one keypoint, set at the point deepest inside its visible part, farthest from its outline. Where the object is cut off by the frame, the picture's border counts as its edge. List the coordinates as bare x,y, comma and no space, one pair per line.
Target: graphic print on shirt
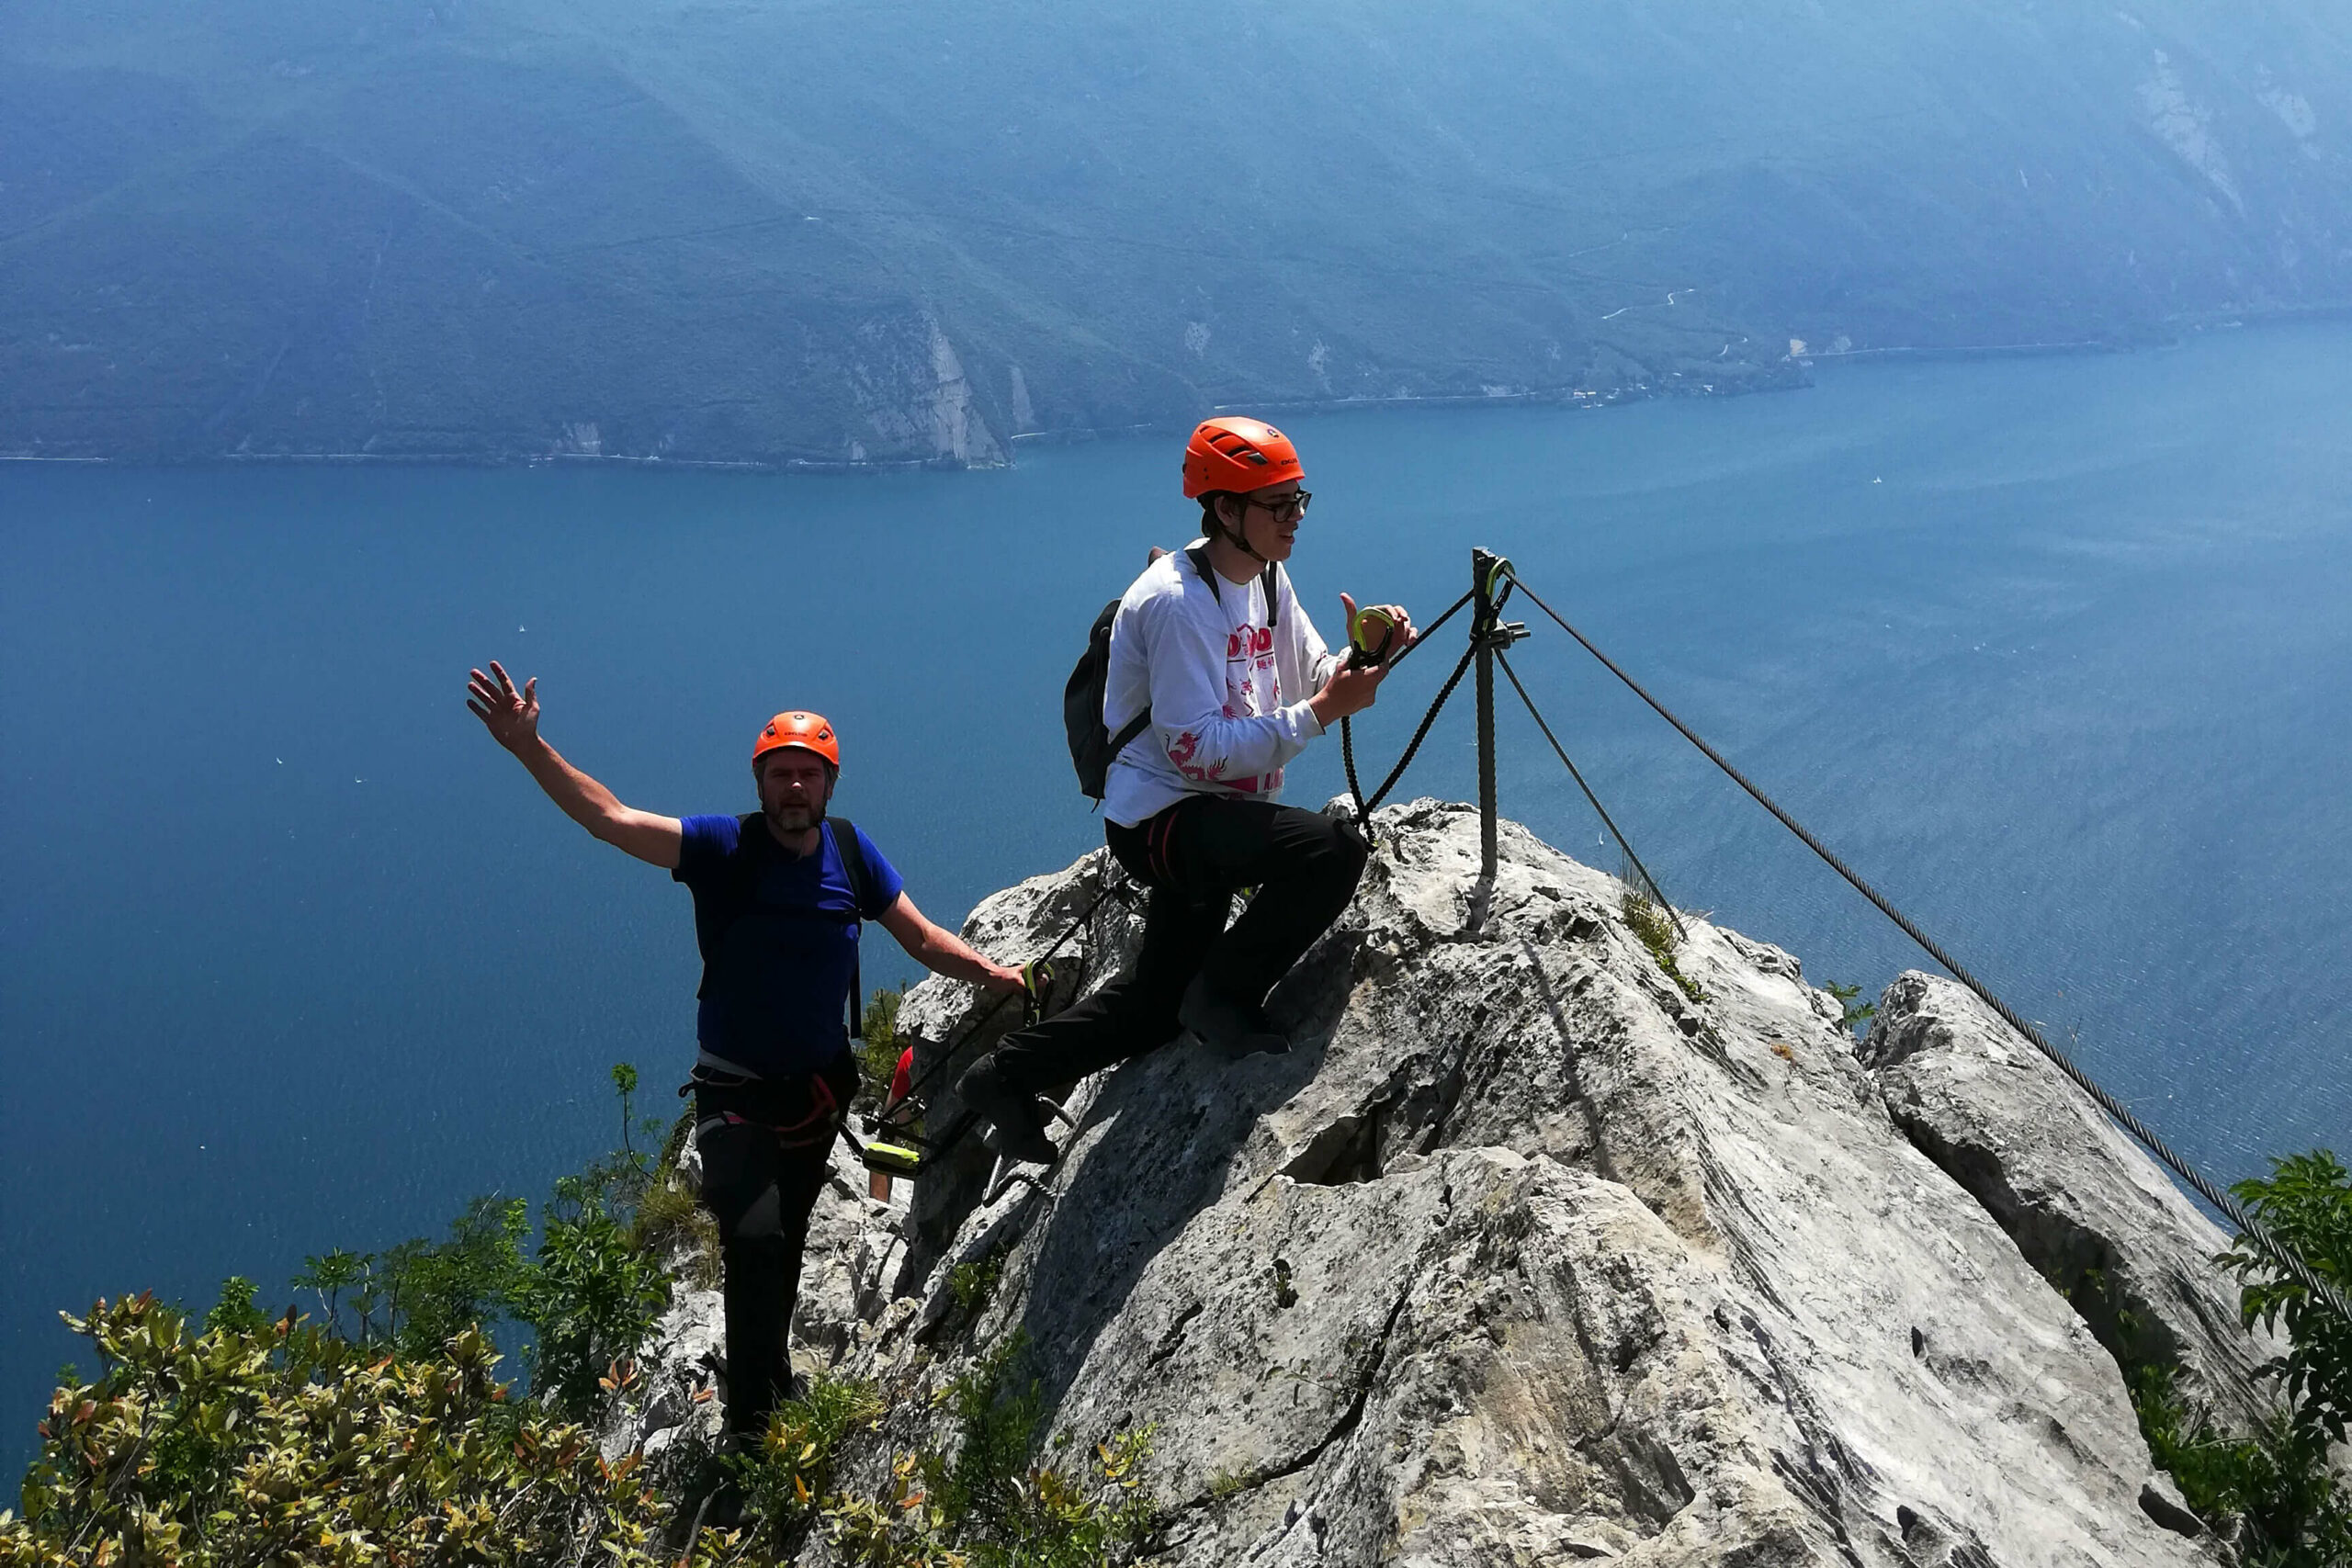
1250,692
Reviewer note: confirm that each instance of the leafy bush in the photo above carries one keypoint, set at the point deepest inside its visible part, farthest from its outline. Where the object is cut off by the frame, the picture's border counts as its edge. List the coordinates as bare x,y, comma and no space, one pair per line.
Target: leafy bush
591,1298
2290,1508
257,1441
349,1439
985,1505
1852,1012
974,1281
374,1432
2306,1202
784,1482
878,1050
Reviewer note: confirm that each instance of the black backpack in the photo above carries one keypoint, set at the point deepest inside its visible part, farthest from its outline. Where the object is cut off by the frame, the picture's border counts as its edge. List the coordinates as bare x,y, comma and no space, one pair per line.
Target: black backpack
1091,744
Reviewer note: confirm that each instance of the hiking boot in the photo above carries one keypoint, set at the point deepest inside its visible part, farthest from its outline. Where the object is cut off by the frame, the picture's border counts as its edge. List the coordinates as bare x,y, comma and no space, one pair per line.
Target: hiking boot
1020,1130
1232,1029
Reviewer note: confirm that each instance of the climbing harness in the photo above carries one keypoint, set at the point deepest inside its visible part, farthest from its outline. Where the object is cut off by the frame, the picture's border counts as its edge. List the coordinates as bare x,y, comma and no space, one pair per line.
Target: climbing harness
814,1130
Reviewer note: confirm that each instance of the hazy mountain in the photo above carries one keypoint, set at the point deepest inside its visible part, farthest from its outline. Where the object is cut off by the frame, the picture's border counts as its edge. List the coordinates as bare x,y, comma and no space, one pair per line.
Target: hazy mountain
833,230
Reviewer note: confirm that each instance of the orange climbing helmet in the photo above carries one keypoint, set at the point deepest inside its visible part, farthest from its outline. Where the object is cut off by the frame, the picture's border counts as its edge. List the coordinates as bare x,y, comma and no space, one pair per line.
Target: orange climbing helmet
807,730
1232,452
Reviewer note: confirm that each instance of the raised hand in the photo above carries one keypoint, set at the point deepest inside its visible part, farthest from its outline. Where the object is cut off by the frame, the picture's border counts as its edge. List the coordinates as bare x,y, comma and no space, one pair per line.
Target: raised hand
511,717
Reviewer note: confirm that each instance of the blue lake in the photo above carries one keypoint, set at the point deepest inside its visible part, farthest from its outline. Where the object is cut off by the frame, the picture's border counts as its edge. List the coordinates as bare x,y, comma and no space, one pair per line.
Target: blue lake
2055,650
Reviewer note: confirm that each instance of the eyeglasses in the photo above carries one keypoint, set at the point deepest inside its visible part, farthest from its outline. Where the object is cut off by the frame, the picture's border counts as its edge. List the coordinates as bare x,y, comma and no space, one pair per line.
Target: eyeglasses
1283,506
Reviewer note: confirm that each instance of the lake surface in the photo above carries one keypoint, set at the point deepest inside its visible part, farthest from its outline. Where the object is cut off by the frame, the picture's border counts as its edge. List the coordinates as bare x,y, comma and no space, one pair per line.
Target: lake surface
2054,651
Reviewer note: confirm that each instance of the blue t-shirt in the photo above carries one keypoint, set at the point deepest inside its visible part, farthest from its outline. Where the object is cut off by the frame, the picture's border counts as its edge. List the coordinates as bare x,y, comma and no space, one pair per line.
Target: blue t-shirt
778,934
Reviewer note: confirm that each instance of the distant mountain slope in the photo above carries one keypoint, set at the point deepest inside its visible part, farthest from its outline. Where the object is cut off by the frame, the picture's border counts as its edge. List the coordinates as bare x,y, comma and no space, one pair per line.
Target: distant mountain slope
833,233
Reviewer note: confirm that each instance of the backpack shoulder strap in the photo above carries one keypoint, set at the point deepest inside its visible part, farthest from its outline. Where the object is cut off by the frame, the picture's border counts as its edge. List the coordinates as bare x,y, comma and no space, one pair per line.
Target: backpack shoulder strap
1129,730
861,893
1197,552
854,866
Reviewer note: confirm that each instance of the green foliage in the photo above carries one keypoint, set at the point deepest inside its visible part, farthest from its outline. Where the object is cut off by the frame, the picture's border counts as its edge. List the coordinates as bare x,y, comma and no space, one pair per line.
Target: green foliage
413,1297
973,1282
786,1479
2291,1510
2306,1202
978,1503
878,1050
346,1441
1855,1013
590,1299
259,1441
996,1427
1653,926
985,1505
669,1220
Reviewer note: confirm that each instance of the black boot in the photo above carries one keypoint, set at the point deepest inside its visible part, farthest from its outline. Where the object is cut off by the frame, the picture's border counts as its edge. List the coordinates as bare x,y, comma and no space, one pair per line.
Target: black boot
1232,1029
1020,1130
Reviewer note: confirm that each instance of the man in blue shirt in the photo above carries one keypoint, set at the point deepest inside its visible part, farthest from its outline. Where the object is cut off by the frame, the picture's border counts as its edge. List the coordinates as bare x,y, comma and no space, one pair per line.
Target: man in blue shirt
779,897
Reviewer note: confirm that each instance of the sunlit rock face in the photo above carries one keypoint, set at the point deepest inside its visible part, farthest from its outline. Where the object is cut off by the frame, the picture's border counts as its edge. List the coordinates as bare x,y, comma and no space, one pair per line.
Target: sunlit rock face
1522,1254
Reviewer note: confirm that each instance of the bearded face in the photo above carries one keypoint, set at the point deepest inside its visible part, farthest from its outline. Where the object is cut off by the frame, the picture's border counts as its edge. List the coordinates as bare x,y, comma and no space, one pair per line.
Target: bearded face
794,785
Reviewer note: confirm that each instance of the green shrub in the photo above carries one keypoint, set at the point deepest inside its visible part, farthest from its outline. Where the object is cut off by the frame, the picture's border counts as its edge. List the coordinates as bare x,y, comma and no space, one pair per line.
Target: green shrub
2306,1202
878,1050
669,1220
974,1281
256,1441
2290,1509
1853,1012
591,1298
1653,927
985,1505
785,1481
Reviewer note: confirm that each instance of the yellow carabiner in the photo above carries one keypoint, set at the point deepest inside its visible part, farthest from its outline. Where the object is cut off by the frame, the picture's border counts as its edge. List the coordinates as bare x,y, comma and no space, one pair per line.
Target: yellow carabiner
1037,976
1370,632
1496,569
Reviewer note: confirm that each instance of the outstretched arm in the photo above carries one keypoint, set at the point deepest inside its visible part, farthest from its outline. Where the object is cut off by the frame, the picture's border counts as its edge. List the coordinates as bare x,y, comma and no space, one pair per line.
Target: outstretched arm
942,950
513,720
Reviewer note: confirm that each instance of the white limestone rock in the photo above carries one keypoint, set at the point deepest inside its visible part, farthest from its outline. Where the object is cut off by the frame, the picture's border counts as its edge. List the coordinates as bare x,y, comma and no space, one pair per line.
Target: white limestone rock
2104,1224
1520,1256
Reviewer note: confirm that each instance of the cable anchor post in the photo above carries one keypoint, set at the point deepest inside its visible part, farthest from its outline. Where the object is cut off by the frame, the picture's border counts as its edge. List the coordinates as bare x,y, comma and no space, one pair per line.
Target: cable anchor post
1487,570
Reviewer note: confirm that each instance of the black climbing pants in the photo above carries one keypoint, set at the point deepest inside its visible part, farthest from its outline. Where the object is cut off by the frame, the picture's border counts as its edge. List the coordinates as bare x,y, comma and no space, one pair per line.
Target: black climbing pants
766,1147
1193,856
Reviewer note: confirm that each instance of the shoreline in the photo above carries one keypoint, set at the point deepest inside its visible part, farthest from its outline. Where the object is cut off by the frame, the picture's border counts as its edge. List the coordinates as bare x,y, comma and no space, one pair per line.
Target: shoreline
1678,384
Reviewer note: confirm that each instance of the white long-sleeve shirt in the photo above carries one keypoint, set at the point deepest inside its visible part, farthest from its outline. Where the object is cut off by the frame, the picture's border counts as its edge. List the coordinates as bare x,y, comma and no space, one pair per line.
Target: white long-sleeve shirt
1228,694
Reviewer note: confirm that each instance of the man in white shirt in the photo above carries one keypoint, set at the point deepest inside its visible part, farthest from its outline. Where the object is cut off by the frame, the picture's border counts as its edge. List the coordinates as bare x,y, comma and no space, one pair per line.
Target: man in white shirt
1212,644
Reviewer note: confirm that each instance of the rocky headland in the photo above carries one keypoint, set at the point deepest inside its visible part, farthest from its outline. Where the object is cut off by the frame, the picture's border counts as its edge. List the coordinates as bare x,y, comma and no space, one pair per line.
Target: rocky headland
1531,1251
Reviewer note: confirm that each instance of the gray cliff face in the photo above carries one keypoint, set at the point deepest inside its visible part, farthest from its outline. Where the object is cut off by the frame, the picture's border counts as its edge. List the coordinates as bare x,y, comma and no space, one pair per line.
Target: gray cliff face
2103,1225
1520,1256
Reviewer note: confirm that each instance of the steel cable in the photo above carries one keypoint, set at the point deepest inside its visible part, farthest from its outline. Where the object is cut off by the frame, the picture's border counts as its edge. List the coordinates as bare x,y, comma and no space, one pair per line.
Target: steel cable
1656,893
2286,1256
1364,808
1347,732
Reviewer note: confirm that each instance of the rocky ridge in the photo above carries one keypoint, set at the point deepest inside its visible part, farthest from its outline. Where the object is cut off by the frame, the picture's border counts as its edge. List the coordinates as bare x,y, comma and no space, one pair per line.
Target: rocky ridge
1523,1254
